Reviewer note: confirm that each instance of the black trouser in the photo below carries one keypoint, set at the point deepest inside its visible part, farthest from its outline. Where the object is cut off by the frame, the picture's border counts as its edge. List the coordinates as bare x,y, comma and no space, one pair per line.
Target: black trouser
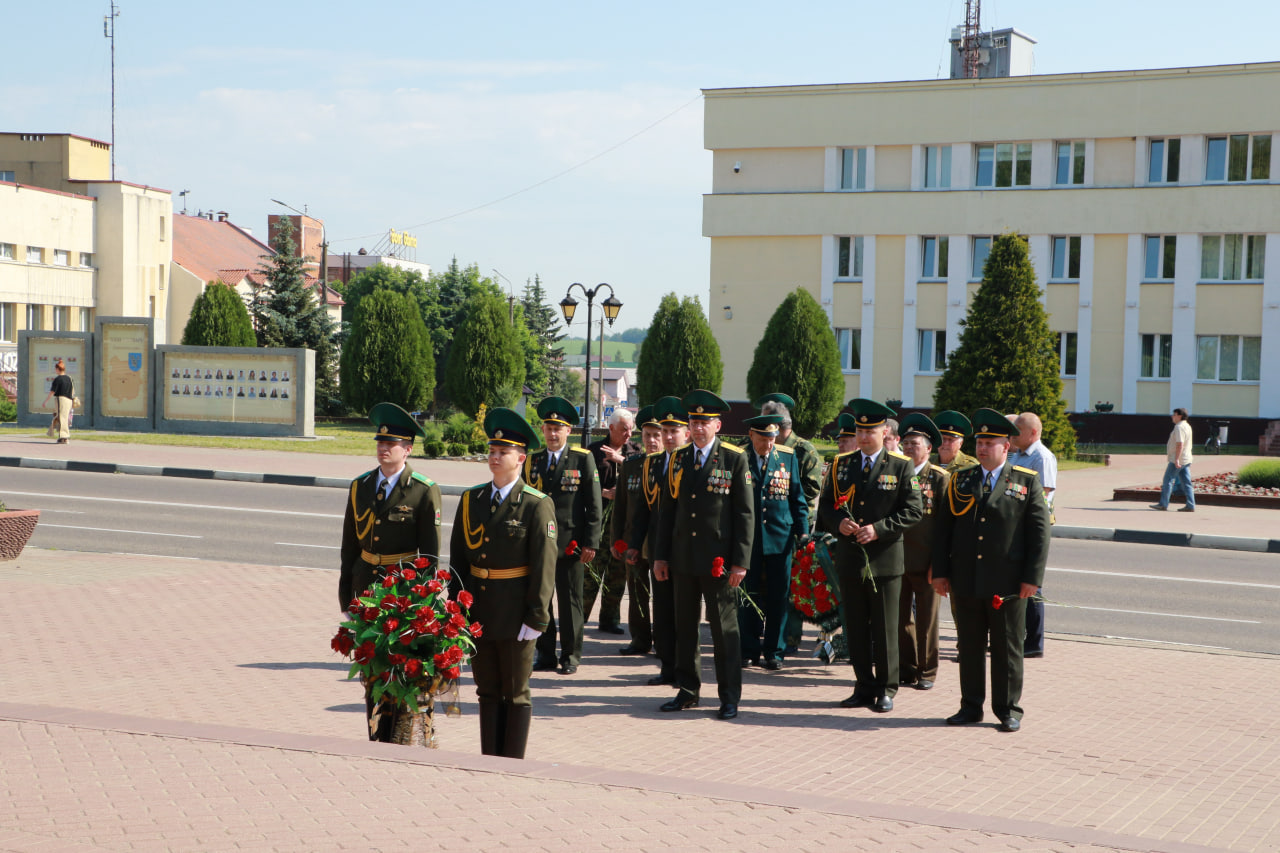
722,613
975,620
639,622
613,580
568,606
767,581
664,623
871,621
501,670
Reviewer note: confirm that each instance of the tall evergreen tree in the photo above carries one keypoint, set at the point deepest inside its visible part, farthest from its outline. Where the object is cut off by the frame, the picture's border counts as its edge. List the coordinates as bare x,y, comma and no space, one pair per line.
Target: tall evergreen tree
680,353
546,361
286,313
798,355
219,318
486,359
387,354
425,293
1007,358
454,287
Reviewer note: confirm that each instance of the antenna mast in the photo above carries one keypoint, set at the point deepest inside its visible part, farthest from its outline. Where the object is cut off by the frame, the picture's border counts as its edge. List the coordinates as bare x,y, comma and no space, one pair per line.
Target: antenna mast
969,43
109,31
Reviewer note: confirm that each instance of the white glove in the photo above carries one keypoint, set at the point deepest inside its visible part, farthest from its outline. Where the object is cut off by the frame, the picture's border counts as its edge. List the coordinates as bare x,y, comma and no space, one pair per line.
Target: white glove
527,633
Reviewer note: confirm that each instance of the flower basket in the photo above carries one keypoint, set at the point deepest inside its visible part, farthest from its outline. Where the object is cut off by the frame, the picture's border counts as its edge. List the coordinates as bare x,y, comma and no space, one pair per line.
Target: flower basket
814,592
16,527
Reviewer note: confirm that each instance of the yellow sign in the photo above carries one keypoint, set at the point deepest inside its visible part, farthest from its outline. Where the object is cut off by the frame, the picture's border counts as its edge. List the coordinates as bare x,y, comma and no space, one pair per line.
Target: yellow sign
123,373
396,238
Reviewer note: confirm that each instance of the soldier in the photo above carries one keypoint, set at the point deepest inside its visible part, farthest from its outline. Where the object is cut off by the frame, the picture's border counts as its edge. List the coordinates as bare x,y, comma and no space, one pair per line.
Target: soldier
568,476
392,514
870,498
628,498
991,541
504,549
954,429
918,614
782,517
703,542
609,453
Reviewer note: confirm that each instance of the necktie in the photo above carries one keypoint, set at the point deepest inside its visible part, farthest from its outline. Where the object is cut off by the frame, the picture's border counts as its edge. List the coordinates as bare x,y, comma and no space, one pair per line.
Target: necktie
866,463
382,493
987,483
551,463
495,502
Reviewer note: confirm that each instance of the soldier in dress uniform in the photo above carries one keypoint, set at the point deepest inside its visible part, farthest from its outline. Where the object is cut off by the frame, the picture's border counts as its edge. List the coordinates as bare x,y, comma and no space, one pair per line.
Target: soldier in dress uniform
991,541
782,517
504,549
954,429
568,476
703,543
653,475
918,615
392,514
869,498
629,496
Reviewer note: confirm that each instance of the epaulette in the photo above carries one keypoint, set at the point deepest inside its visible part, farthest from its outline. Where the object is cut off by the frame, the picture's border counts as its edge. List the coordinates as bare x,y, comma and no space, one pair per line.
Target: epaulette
530,490
639,455
579,450
479,486
727,446
782,448
423,478
1026,470
365,474
846,453
899,454
683,446
655,453
937,468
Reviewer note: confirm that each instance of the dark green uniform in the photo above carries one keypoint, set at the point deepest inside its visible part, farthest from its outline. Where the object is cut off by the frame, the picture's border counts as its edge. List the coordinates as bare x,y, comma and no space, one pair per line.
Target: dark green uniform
611,571
961,461
627,500
782,517
810,462
644,523
989,545
918,610
574,487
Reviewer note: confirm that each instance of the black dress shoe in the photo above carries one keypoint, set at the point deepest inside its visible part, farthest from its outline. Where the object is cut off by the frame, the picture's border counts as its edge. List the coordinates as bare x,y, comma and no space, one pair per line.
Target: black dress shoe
790,651
612,629
1010,724
1159,507
1184,509
661,678
924,684
567,668
964,717
883,704
681,702
749,662
633,649
858,700
1033,654
545,665
772,664
727,711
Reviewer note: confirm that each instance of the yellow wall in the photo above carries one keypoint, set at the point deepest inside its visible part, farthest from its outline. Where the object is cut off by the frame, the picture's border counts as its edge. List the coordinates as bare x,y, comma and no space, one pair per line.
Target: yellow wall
767,169
931,306
890,269
1156,311
1225,400
1153,396
893,167
1107,352
1221,309
1061,304
54,160
1113,162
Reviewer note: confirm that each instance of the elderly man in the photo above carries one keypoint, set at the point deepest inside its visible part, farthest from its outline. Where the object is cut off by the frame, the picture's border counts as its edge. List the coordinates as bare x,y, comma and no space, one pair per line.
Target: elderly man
609,453
627,501
1031,453
954,429
892,441
991,542
918,613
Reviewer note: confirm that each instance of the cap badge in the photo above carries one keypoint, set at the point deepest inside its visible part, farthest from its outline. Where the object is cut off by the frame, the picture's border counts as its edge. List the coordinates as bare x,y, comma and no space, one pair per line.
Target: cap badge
383,430
497,434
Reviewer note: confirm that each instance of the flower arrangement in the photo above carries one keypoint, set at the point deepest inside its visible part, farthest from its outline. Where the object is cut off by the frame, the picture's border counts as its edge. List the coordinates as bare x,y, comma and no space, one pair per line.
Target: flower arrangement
997,601
405,636
815,594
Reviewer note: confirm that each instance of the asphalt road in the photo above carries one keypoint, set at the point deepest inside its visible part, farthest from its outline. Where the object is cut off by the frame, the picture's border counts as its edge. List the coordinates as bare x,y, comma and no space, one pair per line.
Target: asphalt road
1191,596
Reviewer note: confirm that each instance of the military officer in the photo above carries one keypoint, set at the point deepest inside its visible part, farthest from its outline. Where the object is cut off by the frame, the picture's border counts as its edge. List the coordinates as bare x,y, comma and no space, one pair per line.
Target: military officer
954,429
918,614
628,498
703,542
870,497
392,514
846,433
568,476
991,541
781,518
504,549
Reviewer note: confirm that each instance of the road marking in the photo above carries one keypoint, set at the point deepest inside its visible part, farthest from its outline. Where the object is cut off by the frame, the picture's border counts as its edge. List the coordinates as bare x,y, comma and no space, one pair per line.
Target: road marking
170,504
166,556
115,530
305,545
1166,578
1152,613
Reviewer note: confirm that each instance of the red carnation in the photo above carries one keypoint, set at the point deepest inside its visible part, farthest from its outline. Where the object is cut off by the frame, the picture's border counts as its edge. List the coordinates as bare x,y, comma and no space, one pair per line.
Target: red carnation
413,668
354,606
457,621
465,598
455,654
717,567
442,574
389,581
396,659
419,590
409,574
476,630
391,624
408,636
620,546
370,613
452,607
365,652
434,586
421,563
810,548
996,601
452,672
440,661
450,630
572,548
342,642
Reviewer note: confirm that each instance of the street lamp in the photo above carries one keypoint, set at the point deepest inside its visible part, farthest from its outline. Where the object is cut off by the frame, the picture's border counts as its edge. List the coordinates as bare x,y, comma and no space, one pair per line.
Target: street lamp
611,306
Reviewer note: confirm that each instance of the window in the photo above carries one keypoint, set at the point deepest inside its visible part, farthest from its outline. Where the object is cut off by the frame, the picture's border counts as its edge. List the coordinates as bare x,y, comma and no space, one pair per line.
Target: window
35,255
1067,353
848,257
933,257
1232,257
86,259
1070,163
7,251
1239,157
1162,160
8,333
6,175
981,248
86,319
160,276
1161,252
933,350
853,168
1004,164
161,229
1066,258
850,343
62,257
34,317
937,166
1228,358
1157,357
61,318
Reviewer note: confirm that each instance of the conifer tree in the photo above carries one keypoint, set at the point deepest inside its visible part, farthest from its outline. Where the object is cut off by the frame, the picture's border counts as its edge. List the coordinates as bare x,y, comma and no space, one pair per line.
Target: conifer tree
545,362
798,355
486,359
387,354
219,318
680,352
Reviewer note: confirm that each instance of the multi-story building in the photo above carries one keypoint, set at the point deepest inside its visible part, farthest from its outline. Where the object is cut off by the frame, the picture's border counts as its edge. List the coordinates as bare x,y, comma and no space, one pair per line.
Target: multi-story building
1150,200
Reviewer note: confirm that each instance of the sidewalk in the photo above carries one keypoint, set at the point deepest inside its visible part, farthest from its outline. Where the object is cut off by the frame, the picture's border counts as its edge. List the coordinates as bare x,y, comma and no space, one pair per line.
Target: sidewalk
152,704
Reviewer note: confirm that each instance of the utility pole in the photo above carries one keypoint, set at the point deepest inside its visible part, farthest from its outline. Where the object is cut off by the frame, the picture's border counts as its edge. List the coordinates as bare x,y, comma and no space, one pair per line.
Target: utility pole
109,31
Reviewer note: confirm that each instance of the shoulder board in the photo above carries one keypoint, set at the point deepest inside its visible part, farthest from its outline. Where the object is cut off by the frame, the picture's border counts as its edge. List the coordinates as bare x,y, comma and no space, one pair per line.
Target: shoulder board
423,478
640,455
735,448
365,474
843,455
683,446
530,490
580,450
1026,470
899,455
655,454
782,448
937,468
481,486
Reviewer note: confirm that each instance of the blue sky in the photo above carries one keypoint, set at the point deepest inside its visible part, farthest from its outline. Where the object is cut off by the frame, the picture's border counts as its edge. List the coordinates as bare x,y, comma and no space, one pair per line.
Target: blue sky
407,115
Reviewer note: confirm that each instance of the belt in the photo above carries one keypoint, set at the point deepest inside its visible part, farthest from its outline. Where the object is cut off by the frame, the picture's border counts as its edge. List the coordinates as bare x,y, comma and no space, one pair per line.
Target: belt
386,559
499,574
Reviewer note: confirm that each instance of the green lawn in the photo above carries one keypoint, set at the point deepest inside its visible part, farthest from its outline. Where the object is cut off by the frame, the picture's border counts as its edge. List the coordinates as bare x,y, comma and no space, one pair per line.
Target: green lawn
612,349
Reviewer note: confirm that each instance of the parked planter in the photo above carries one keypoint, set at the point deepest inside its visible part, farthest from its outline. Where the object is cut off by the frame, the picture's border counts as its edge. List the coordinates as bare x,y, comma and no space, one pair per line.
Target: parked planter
16,527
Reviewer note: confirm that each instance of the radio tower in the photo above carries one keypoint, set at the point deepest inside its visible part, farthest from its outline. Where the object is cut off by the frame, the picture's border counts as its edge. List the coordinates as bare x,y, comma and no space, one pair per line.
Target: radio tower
969,43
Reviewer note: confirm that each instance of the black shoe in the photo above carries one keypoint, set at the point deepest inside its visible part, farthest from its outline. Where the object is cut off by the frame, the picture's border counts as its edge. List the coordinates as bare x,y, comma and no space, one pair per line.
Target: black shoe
567,668
728,711
964,717
907,682
1010,724
1033,654
661,678
633,649
772,664
614,628
883,704
545,665
858,700
923,684
681,702
749,662
1184,509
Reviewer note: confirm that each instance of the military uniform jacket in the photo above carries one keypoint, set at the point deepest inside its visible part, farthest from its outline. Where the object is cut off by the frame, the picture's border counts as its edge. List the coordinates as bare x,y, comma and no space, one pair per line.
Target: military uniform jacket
628,497
644,512
961,461
706,513
810,462
522,532
989,547
408,522
574,488
886,497
917,539
782,513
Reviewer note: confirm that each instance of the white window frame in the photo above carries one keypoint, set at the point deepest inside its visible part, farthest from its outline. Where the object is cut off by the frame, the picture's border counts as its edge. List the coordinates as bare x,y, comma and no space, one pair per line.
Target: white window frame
975,268
8,252
61,318
1228,347
931,351
1160,251
849,258
1168,165
35,317
849,342
86,319
1068,342
852,163
86,259
1249,250
35,255
935,257
1158,348
61,258
999,150
937,164
1076,150
8,330
1062,248
1252,162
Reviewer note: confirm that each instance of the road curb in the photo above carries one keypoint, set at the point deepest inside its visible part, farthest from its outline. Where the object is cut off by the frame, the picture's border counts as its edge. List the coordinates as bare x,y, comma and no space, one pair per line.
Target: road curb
1158,537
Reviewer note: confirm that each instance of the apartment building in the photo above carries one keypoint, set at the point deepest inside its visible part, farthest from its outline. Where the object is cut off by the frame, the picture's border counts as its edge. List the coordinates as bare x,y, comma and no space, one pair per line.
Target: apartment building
1150,200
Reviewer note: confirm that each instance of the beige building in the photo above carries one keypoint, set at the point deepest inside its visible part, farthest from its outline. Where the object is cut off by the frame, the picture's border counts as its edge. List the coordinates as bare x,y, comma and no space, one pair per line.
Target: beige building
1150,199
74,244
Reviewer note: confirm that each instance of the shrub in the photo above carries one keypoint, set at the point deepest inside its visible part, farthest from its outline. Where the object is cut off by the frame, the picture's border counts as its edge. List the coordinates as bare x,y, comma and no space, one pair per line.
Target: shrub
434,448
478,448
457,430
1263,473
456,448
8,410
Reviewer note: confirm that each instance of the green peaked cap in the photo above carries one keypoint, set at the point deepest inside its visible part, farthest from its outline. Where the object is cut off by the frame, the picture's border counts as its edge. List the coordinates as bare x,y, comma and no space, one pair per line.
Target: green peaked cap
558,410
670,412
918,423
703,405
951,422
505,427
988,423
646,417
869,413
392,423
777,397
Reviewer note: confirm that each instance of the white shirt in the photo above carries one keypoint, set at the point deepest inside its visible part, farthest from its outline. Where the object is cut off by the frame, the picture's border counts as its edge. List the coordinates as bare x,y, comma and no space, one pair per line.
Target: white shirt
501,492
390,481
1041,460
994,475
875,456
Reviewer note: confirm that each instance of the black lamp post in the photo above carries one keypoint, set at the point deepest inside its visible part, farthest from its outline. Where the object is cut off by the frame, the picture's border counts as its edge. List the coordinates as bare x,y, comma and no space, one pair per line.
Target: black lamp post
611,306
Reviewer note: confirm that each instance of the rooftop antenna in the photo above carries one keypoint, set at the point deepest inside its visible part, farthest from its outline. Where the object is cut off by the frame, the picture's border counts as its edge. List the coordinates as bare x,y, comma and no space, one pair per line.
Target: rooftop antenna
969,42
109,31
183,195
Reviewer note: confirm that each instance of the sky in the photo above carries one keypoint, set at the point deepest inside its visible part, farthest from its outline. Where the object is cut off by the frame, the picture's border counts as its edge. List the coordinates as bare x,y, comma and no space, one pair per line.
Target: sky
559,139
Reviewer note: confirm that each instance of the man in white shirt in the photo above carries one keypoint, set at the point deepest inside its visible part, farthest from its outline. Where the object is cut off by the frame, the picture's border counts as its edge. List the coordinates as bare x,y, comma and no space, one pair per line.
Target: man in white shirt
1179,467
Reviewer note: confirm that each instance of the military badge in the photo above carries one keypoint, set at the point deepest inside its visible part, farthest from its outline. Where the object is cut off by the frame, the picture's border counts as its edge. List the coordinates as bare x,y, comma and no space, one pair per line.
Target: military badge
887,482
551,530
437,518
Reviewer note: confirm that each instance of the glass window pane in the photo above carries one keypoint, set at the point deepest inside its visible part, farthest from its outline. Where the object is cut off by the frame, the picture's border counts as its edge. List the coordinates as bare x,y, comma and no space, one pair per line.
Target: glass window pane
1073,260
1166,356
862,169
857,257
944,168
927,264
1215,168
1171,171
1232,257
1004,164
846,168
1146,365
943,248
842,341
1210,260
842,262
1261,168
1155,167
981,248
1072,339
1059,257
1238,157
1170,253
1151,269
930,166
939,350
1024,164
1077,166
1207,357
1064,163
926,349
1228,358
1251,360
1257,252
855,349
986,159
